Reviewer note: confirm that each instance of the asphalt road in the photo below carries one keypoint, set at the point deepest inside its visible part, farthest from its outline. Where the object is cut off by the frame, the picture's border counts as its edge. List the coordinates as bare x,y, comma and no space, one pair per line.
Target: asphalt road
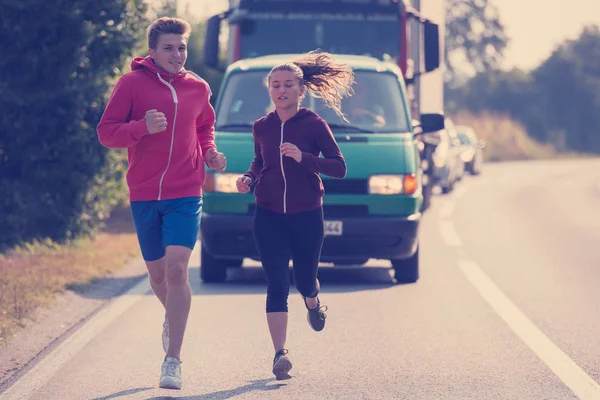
507,307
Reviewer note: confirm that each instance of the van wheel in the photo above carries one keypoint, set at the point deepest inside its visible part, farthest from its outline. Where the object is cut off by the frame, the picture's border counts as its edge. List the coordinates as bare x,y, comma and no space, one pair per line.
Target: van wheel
212,270
234,263
407,270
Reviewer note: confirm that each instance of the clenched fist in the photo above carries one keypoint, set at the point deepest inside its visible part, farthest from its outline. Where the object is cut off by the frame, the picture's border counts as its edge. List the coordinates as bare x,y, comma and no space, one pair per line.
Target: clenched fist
155,121
216,160
291,150
243,184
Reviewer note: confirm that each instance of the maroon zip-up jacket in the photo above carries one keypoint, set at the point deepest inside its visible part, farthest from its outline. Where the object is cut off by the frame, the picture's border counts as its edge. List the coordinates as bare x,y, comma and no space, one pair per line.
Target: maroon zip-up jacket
282,184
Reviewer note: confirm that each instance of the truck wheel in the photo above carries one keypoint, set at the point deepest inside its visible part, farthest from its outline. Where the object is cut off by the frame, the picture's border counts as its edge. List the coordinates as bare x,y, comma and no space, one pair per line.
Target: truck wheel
211,269
407,270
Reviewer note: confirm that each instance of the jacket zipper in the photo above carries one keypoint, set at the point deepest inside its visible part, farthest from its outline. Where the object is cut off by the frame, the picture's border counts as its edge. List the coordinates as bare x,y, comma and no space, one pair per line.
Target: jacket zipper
283,172
176,101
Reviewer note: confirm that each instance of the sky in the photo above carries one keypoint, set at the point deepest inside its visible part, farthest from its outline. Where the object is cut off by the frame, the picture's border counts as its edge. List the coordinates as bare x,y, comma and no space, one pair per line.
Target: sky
535,27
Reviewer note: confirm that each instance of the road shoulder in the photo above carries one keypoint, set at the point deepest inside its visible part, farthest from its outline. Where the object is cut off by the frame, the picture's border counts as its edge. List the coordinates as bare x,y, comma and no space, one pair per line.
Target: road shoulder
52,325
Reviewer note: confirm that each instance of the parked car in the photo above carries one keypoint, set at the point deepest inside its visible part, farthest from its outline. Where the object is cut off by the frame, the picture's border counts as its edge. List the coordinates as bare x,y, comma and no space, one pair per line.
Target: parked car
455,141
374,212
472,149
427,143
448,165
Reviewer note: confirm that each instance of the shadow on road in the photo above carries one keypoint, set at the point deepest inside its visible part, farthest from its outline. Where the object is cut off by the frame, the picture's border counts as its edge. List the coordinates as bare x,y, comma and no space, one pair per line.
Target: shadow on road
123,393
251,280
105,287
227,394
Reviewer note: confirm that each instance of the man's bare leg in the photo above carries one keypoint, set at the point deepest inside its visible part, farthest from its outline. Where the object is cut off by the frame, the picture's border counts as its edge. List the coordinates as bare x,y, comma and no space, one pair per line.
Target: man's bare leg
158,280
179,296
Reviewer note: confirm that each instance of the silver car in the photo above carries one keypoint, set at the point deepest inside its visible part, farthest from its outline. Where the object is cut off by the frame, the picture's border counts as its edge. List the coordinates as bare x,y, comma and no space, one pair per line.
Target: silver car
472,149
448,167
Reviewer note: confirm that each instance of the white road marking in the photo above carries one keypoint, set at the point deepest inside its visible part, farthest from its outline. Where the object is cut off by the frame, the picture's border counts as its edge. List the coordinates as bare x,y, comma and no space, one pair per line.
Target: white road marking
446,226
447,209
449,234
460,192
41,373
565,369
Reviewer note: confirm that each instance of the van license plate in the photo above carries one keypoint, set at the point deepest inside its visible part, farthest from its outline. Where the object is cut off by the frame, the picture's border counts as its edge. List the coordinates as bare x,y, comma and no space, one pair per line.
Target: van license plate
333,228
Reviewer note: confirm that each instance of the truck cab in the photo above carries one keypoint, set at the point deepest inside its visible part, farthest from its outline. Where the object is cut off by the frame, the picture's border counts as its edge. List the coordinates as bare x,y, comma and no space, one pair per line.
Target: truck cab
374,212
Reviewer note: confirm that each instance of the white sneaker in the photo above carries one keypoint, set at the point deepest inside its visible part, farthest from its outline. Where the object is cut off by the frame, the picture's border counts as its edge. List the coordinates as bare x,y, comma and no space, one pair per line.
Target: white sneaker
171,374
165,334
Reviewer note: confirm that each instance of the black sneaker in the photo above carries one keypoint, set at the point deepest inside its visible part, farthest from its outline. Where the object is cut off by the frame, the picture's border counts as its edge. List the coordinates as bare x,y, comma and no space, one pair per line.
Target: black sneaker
281,365
316,316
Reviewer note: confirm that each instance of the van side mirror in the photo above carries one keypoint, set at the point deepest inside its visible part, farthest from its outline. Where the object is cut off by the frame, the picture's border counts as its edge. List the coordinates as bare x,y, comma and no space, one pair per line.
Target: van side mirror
431,36
432,122
211,42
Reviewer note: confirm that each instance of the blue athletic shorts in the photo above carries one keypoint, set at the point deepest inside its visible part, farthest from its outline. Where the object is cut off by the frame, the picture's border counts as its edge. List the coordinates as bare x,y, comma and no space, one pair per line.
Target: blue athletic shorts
162,223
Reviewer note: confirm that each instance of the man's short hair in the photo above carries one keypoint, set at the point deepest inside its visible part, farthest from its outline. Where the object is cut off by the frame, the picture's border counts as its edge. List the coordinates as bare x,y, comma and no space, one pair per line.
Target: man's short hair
167,25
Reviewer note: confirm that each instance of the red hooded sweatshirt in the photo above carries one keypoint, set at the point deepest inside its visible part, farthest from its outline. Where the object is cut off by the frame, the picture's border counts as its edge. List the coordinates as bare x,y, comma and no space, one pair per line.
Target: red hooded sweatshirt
168,164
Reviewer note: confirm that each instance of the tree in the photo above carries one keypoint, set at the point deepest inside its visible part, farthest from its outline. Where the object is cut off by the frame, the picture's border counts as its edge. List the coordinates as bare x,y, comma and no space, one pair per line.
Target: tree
474,36
569,92
168,8
558,102
494,89
59,62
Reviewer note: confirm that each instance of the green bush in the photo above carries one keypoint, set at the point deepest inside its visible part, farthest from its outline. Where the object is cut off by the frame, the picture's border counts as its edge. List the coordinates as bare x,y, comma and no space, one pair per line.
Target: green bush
59,62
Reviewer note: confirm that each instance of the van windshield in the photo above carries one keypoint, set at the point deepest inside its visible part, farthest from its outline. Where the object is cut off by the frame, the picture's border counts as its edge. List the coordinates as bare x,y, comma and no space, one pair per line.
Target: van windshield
377,106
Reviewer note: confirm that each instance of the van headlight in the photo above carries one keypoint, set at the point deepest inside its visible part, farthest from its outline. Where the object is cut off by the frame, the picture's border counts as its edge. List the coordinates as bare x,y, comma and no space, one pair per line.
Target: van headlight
225,183
386,184
395,184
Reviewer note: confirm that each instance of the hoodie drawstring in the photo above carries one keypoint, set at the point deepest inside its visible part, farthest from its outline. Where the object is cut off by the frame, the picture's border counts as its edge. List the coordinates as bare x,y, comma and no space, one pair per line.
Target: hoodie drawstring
176,101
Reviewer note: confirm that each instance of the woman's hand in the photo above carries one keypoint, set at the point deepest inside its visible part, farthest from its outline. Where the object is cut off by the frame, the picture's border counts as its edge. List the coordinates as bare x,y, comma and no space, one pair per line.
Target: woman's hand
290,150
243,184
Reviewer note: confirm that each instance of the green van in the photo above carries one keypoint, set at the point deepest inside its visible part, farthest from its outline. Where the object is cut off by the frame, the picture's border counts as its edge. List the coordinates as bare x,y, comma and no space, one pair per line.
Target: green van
374,212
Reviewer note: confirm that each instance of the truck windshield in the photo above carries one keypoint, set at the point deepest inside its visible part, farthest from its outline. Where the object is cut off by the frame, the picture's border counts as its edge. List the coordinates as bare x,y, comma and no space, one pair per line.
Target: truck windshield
377,106
361,35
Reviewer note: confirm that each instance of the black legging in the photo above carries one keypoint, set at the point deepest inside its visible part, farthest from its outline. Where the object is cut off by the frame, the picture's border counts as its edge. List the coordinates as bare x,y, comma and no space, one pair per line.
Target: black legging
277,236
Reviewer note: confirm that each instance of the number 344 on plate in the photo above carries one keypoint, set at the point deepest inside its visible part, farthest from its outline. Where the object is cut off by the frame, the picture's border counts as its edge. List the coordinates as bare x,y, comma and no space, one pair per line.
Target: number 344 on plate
333,228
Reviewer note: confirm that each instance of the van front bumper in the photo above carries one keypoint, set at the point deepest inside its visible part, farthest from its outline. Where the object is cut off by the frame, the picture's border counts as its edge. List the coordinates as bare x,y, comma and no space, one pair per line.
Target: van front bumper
227,236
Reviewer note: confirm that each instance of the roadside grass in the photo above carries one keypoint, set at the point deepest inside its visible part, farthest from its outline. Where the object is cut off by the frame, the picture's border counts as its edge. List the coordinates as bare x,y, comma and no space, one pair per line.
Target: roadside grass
32,275
506,139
